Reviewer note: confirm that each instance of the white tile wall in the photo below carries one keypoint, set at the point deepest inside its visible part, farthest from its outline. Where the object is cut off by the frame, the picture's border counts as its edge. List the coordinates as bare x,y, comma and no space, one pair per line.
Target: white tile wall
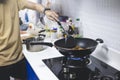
100,18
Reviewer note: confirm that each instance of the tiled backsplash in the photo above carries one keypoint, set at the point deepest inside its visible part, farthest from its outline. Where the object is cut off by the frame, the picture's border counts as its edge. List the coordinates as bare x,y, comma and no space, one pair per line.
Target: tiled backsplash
100,19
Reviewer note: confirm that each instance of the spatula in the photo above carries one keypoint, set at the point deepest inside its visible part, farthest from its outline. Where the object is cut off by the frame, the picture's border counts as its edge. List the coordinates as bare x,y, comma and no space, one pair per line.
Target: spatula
69,40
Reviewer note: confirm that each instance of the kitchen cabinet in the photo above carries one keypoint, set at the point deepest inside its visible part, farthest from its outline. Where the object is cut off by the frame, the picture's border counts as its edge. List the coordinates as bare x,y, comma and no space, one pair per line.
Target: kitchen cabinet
30,73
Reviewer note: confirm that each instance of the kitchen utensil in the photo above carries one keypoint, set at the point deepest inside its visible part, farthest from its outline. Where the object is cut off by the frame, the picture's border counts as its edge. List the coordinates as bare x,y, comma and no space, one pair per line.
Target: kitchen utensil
69,40
37,39
87,46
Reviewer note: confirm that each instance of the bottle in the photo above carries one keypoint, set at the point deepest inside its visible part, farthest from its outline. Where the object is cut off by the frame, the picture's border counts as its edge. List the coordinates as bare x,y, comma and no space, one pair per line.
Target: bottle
70,30
78,28
54,33
70,27
26,17
60,33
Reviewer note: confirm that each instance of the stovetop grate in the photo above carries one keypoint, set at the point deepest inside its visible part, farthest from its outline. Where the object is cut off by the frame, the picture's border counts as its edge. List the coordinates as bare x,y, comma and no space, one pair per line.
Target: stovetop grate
96,70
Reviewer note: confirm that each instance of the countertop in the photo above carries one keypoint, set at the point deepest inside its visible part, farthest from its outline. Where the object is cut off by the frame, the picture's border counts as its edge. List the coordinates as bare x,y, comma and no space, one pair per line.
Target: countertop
35,60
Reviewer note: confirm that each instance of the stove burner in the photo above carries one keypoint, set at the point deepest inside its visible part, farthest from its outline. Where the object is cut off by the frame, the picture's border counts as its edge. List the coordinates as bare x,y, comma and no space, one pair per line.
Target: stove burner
80,59
107,78
87,68
74,73
117,76
73,62
95,75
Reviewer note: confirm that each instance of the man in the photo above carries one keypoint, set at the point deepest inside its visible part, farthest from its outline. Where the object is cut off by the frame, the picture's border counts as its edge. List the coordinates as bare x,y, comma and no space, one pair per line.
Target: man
12,62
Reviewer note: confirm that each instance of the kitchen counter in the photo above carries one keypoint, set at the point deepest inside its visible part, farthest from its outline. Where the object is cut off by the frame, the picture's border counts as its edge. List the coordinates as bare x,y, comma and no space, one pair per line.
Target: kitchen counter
44,73
35,60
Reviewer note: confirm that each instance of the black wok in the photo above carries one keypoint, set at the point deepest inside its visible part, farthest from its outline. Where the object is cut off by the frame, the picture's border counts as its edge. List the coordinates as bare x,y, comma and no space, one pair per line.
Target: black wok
88,46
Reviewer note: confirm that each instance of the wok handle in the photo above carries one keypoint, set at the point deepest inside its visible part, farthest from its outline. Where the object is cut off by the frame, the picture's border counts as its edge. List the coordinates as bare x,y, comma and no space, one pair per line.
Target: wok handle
99,40
41,43
41,35
24,41
42,31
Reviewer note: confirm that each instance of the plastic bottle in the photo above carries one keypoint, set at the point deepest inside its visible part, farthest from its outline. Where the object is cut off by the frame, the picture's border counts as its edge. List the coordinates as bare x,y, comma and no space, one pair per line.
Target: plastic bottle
59,33
70,27
54,33
78,28
26,17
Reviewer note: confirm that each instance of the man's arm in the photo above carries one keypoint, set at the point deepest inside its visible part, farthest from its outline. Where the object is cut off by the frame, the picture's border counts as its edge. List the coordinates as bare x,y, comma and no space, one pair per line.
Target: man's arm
40,8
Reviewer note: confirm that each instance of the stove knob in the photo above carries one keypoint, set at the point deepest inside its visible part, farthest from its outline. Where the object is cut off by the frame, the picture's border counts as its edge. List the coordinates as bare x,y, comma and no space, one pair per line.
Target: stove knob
72,76
65,76
94,76
65,70
117,76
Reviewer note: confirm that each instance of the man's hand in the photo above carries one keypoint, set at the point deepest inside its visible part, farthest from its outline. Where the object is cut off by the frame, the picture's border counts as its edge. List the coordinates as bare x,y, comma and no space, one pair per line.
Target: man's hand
52,15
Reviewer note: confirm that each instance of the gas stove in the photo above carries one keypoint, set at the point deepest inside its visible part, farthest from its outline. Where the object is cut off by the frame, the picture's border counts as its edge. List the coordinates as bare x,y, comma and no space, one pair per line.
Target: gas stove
87,68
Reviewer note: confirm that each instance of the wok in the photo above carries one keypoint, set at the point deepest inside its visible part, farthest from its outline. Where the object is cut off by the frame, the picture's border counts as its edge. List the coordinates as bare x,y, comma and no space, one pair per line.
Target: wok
87,46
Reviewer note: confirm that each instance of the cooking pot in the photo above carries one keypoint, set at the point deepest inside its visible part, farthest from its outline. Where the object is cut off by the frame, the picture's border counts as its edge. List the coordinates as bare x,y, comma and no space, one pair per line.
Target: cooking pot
35,39
84,46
